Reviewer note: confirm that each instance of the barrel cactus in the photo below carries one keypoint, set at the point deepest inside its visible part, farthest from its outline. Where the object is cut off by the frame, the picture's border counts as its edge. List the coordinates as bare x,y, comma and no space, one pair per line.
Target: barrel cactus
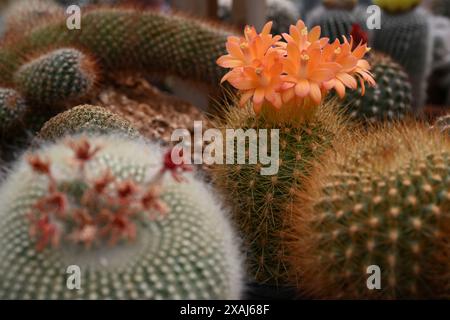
335,18
122,213
283,109
86,118
379,202
389,100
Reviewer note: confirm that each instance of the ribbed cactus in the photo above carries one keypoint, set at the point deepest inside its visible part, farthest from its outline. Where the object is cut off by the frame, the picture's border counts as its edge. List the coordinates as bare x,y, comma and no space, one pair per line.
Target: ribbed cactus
12,109
260,202
381,201
396,6
128,40
406,37
86,118
106,205
390,99
334,17
63,75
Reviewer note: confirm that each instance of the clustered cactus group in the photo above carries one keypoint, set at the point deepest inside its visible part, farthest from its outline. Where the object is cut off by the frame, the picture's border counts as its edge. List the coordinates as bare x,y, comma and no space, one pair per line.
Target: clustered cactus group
359,180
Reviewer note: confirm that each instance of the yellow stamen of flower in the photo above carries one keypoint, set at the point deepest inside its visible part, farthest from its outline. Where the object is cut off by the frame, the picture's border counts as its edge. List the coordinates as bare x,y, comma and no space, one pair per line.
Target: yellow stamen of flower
304,31
244,46
338,51
305,57
258,71
368,49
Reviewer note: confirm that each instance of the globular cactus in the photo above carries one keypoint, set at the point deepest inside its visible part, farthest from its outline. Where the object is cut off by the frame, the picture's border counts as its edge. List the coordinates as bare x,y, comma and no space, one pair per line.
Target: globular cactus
260,202
380,201
12,109
108,206
63,75
86,118
406,38
335,18
390,99
124,39
283,13
396,6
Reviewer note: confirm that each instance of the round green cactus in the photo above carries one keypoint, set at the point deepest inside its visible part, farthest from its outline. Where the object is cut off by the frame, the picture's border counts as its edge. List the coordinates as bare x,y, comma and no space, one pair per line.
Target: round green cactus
86,118
390,99
12,108
260,202
381,201
62,75
108,206
335,21
129,40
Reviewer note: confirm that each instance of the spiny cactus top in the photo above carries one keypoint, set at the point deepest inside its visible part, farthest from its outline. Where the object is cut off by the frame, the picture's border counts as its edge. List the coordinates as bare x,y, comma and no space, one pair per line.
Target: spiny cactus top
300,72
124,39
397,6
109,206
382,201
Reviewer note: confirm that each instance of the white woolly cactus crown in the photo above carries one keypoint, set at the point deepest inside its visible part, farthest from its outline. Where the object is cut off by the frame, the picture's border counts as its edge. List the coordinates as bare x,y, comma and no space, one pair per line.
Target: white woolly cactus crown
190,252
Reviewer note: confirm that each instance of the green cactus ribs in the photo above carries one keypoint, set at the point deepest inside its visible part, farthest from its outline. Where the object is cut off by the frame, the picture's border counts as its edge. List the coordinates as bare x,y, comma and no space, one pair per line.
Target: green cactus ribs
86,118
383,201
135,224
58,77
260,202
129,40
389,100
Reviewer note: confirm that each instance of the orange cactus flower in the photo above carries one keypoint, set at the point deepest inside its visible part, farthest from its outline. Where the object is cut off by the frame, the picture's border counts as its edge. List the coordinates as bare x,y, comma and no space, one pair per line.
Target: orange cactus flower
298,72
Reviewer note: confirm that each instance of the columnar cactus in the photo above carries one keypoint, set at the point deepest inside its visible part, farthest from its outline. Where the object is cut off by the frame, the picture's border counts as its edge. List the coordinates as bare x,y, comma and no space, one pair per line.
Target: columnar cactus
406,37
261,202
382,202
390,99
282,86
335,18
63,75
108,206
126,39
86,118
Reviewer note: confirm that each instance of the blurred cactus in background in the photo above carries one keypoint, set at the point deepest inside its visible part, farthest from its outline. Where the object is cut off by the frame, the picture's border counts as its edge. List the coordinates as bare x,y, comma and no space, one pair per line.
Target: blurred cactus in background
120,210
406,37
335,17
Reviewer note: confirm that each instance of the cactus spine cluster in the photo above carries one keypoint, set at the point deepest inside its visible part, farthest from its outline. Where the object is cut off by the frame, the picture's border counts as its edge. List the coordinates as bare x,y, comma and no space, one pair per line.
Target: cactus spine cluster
261,203
86,118
380,201
406,38
106,205
334,17
390,99
62,75
442,124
